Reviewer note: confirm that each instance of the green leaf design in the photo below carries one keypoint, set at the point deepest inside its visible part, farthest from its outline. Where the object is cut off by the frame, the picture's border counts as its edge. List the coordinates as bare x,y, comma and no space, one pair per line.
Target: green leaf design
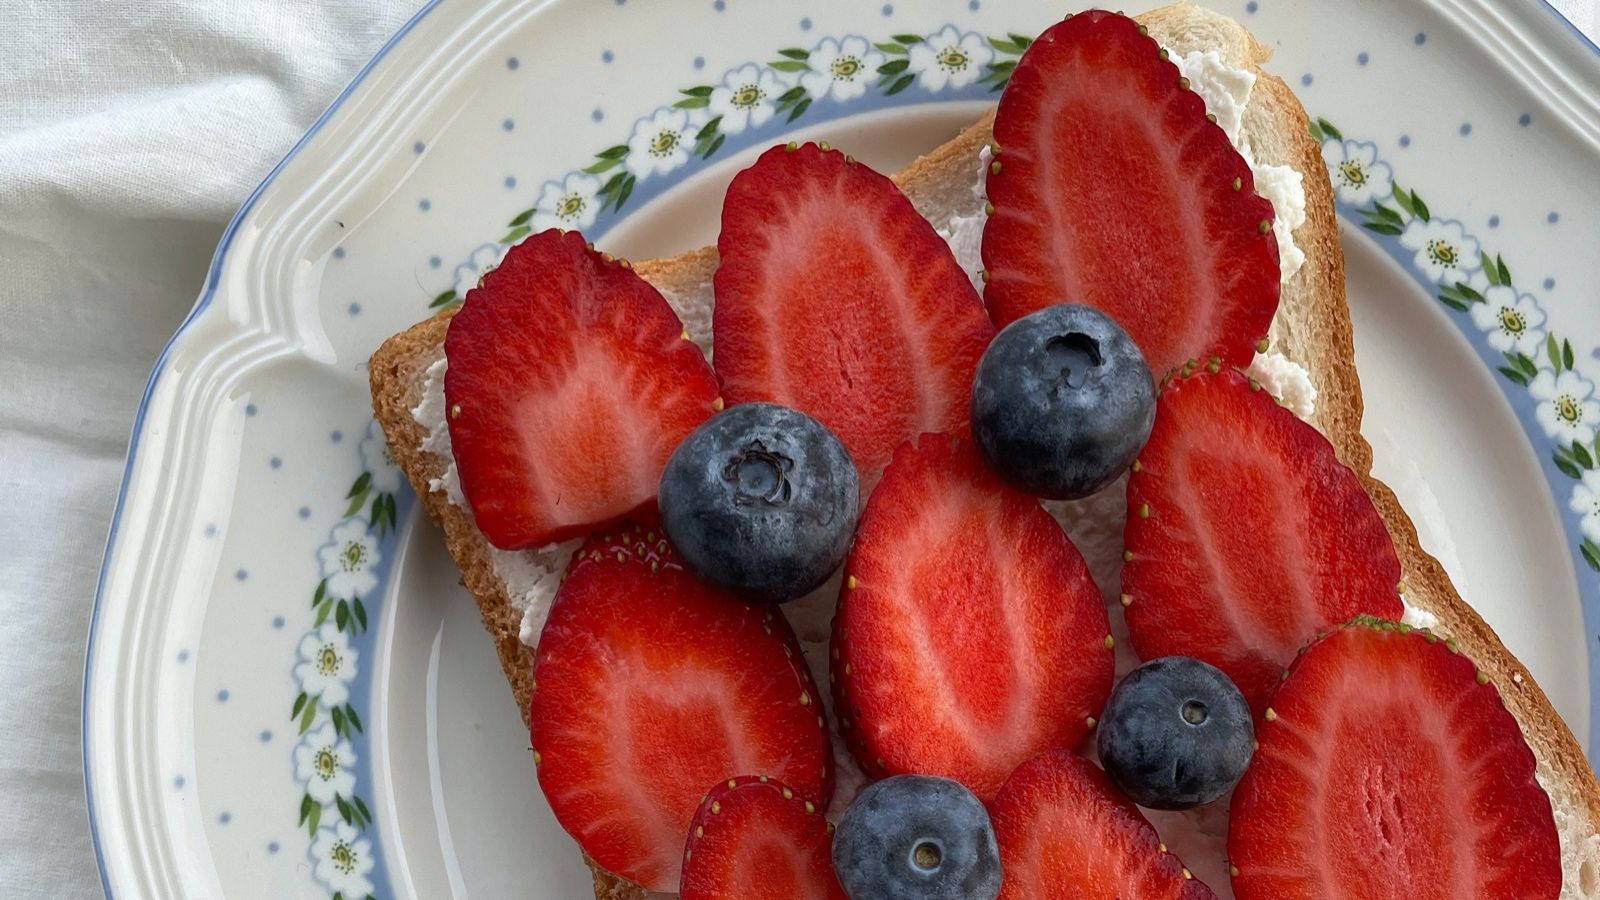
627,184
306,803
299,704
908,39
1452,302
604,165
1580,453
361,807
693,103
703,90
521,219
1489,268
352,718
321,591
313,820
1567,467
322,613
444,299
1567,357
1591,554
1514,376
799,109
360,611
1500,266
341,615
616,152
1383,227
337,715
1403,199
1329,130
344,809
1006,46
361,486
516,234
792,95
792,53
789,65
1381,213
1420,207
1553,350
714,146
900,84
309,713
1317,134
1523,362
1021,40
894,67
892,49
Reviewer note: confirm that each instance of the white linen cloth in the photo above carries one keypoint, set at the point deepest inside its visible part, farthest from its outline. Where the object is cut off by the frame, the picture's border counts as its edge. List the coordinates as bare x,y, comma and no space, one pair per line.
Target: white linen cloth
130,131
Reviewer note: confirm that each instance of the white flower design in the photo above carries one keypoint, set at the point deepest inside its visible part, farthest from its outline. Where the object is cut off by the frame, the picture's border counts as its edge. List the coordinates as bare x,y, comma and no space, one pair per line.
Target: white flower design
950,58
469,273
349,558
1442,247
841,67
327,664
1567,409
1586,503
745,97
660,143
322,762
569,204
1511,321
378,460
1356,172
343,860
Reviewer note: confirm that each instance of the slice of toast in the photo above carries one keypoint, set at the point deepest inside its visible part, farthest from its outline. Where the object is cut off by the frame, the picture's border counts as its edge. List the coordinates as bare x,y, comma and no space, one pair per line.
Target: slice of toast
1312,328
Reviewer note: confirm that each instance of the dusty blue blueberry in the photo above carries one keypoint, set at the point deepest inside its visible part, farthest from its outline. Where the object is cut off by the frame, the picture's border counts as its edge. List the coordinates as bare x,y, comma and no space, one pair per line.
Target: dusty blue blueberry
1176,733
762,499
915,837
1062,402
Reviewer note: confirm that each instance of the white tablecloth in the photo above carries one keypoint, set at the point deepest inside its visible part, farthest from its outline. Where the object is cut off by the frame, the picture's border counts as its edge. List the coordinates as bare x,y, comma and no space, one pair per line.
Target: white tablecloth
130,131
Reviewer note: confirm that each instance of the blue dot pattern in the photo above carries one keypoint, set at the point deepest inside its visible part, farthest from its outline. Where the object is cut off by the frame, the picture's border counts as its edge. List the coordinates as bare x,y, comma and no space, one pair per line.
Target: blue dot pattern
210,530
183,656
1252,6
1466,128
275,462
179,782
1553,218
719,5
1549,283
508,125
513,63
424,204
699,62
607,56
225,818
1362,58
973,5
888,9
1494,221
1420,39
511,182
241,575
223,695
336,436
266,736
277,622
304,512
418,147
435,262
338,253
355,309
1525,120
598,114
249,409
1306,79
805,24
272,847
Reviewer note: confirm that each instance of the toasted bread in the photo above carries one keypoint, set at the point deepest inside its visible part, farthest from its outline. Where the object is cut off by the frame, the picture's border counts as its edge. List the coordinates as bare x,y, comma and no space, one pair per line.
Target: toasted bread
1312,327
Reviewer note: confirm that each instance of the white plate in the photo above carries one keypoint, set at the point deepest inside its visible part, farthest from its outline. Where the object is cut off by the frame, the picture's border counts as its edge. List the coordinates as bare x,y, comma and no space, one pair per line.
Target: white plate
256,475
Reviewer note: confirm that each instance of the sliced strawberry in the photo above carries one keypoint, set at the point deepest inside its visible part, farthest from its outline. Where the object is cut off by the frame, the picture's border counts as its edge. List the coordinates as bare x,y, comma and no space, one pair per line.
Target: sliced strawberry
652,687
1246,536
1111,188
835,297
755,838
1065,834
1389,767
570,383
969,635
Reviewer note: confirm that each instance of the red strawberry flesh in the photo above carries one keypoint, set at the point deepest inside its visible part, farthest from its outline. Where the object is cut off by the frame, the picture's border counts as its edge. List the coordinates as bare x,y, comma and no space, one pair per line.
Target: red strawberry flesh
835,297
569,384
1246,534
1111,188
970,635
1066,834
1387,769
651,688
755,838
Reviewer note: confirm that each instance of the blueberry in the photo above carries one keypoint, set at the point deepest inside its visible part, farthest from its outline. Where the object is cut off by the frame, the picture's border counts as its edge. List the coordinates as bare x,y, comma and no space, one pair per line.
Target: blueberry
1062,402
914,837
1176,733
762,499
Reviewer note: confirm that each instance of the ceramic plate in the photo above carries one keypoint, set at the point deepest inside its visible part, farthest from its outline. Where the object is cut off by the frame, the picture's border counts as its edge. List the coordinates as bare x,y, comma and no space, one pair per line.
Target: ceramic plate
288,694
